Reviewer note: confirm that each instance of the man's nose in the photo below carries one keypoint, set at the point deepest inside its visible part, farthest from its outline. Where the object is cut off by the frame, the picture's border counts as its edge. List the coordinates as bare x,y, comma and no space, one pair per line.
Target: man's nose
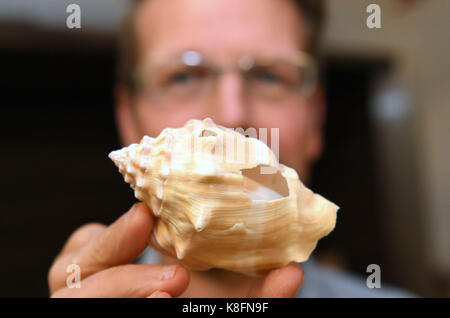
230,107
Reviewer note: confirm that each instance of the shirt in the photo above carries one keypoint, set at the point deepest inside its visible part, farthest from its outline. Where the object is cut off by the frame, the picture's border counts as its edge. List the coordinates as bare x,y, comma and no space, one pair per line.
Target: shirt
321,281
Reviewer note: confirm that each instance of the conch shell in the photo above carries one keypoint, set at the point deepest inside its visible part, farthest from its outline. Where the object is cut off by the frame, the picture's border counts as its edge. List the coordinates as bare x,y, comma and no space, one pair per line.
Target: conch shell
222,200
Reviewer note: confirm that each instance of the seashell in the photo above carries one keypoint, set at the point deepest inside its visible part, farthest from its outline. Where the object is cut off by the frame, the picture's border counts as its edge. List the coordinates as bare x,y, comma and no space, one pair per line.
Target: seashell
223,200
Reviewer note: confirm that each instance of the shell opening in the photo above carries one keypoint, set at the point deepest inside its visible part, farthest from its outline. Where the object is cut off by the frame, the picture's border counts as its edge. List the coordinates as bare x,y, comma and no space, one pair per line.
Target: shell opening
264,186
207,132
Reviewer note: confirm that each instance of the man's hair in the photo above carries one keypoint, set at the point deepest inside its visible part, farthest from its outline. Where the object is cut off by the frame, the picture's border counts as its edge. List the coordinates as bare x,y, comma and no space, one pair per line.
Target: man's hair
127,55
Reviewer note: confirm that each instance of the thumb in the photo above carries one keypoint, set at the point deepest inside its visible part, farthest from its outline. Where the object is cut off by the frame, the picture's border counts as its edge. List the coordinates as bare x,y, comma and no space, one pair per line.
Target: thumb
279,283
121,242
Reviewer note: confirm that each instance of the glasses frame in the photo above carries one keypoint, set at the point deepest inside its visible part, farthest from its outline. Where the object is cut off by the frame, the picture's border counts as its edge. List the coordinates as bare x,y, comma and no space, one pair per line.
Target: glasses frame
195,58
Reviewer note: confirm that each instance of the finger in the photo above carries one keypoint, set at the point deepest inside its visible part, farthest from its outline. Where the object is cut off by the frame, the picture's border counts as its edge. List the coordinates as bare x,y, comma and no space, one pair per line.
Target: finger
81,236
279,283
120,243
159,294
137,281
67,255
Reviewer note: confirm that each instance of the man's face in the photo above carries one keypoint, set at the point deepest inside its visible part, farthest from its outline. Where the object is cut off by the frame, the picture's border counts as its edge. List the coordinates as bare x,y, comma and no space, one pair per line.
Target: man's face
225,30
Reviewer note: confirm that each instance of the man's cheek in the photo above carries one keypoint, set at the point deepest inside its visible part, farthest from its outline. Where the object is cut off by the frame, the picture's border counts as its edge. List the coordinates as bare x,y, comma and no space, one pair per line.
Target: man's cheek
148,121
292,142
153,119
290,151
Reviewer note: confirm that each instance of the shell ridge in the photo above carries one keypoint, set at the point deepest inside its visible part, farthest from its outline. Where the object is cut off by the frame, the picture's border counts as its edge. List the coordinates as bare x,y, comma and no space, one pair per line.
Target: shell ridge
215,205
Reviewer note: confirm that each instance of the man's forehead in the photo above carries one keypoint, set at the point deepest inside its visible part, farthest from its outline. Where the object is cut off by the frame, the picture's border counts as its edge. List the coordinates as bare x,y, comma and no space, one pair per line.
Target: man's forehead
220,27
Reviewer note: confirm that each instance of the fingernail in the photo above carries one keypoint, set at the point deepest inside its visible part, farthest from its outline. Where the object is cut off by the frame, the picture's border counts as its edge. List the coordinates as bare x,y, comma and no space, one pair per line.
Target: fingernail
155,294
130,213
168,272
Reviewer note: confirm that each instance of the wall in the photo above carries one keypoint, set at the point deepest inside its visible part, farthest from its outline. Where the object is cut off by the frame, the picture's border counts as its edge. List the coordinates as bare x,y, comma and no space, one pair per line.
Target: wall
416,37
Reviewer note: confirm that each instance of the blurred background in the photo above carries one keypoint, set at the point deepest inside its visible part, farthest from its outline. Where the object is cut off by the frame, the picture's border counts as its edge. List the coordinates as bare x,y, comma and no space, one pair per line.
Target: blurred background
387,153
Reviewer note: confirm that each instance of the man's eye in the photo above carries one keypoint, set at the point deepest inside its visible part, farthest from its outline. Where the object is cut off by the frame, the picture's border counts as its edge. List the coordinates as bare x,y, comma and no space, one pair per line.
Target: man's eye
182,78
268,77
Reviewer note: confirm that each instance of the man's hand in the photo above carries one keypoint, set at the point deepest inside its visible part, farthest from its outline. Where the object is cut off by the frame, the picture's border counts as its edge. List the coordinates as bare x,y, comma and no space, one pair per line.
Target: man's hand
104,255
279,283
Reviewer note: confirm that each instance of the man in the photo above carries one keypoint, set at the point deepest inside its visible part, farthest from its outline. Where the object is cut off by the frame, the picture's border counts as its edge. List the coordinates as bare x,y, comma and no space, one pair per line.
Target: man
196,59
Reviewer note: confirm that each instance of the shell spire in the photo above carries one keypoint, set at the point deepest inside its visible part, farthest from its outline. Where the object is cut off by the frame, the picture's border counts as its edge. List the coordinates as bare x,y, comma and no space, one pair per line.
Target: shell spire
215,206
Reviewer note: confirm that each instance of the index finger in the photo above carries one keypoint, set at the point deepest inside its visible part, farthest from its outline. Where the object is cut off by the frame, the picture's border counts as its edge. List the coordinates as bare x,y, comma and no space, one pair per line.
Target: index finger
81,237
279,283
120,243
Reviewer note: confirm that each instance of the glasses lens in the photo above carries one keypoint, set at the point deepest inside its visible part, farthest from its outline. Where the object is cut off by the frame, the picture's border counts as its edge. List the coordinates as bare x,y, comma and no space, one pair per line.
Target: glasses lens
190,76
273,81
177,80
280,79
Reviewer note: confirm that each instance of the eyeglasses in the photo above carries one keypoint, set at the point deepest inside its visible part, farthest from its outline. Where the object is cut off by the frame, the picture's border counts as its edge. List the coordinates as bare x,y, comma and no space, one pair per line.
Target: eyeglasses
191,75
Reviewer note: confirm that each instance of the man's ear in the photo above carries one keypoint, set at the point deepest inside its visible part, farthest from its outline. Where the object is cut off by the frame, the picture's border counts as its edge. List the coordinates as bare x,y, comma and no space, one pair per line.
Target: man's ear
127,125
318,109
